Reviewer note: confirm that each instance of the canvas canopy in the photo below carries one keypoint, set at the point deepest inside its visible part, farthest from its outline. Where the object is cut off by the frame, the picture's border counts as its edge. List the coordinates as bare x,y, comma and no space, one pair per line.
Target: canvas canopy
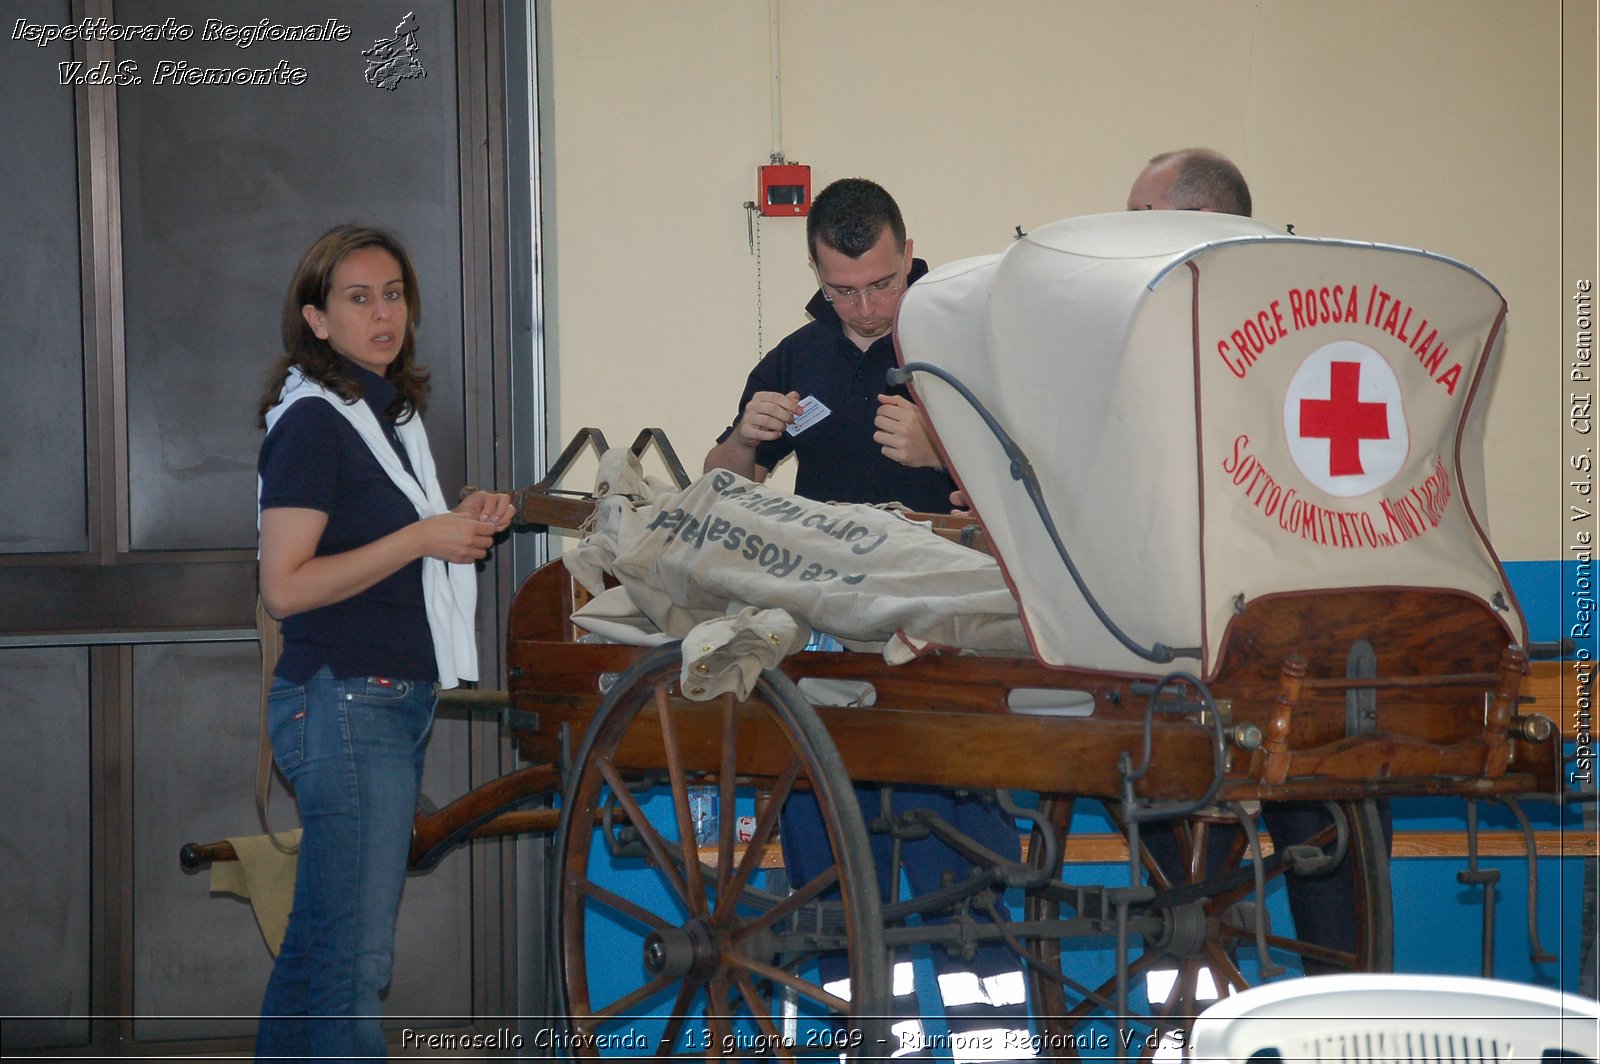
1216,412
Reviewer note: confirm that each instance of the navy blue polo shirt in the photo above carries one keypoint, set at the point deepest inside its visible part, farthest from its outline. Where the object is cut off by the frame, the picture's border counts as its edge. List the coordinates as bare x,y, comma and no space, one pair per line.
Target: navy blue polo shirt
838,460
314,459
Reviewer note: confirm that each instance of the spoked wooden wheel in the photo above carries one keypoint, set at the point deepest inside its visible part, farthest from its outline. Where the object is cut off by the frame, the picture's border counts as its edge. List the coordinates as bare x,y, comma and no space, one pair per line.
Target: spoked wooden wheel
669,954
1206,943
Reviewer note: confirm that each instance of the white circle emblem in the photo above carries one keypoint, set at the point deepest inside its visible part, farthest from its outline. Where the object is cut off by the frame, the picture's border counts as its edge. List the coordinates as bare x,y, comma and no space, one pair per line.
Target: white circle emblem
1344,419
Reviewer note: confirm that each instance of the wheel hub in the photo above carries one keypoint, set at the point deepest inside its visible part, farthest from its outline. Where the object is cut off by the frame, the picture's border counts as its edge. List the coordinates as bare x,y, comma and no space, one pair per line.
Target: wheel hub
689,951
1183,931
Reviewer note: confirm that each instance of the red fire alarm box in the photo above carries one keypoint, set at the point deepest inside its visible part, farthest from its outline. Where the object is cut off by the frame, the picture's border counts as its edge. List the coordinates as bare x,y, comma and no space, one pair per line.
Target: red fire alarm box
784,190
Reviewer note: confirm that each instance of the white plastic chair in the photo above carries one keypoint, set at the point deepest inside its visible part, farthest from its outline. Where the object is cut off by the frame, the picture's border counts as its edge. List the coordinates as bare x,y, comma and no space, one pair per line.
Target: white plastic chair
1404,1019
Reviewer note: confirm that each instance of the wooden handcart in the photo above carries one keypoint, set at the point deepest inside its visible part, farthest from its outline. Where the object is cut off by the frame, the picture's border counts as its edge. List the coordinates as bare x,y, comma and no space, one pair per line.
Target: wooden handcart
1297,712
1337,692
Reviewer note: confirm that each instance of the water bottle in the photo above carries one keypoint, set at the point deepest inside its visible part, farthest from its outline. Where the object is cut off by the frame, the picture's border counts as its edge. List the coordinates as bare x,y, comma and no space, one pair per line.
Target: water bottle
703,803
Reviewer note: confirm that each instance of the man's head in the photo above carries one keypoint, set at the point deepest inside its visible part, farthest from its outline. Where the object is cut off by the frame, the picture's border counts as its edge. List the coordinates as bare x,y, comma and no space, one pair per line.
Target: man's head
1194,179
849,216
859,249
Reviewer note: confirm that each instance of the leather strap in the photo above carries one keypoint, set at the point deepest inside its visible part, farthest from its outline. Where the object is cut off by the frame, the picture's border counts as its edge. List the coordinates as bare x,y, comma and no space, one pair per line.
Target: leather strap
271,646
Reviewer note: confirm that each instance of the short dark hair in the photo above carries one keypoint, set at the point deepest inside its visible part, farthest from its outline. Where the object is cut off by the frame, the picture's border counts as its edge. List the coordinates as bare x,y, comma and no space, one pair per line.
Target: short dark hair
1206,180
849,215
315,357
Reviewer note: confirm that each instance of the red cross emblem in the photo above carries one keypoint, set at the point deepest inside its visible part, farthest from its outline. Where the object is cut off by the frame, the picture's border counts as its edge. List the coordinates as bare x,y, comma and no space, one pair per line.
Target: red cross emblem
1344,420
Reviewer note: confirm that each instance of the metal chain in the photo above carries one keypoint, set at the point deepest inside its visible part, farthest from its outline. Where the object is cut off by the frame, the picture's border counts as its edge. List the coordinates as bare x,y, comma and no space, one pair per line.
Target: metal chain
761,348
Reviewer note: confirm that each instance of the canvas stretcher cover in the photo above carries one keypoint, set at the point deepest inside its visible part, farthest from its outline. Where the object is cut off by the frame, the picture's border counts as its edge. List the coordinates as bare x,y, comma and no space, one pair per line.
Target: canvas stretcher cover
1216,412
864,575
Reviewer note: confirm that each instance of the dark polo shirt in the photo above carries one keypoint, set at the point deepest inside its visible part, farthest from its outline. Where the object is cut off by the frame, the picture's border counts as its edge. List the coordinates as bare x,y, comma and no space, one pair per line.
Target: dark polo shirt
838,460
314,459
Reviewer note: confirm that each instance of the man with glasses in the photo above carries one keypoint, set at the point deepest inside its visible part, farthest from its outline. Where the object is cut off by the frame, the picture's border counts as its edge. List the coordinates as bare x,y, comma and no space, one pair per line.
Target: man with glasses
820,394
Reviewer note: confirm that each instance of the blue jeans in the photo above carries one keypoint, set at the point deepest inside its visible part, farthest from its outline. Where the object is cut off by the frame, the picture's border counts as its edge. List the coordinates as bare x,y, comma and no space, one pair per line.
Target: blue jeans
352,749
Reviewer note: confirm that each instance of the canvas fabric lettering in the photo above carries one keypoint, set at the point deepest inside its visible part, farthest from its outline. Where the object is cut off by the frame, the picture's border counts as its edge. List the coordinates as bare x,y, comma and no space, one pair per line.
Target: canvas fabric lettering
1216,412
868,576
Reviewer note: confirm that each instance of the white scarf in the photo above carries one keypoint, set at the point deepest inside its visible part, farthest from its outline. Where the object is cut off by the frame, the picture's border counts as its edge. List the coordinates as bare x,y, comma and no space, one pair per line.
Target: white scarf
449,590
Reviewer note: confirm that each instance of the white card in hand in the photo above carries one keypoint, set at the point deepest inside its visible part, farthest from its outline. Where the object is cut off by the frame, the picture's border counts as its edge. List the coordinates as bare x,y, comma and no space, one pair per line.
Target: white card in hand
811,412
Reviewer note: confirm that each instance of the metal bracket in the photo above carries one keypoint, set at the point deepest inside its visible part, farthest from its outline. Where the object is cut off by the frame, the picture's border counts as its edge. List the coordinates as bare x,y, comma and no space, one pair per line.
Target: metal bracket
518,720
1224,710
669,457
1361,703
1487,878
545,505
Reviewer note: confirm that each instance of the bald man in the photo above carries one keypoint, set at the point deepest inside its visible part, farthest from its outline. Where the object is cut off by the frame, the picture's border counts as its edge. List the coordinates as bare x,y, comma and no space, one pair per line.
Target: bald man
1193,179
1200,179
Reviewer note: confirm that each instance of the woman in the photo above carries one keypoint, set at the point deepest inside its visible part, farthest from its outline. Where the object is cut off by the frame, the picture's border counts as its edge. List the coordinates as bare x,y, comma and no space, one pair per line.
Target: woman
371,574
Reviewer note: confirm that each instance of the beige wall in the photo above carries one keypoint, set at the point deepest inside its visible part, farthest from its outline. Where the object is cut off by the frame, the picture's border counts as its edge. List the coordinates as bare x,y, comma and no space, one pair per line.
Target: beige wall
1432,123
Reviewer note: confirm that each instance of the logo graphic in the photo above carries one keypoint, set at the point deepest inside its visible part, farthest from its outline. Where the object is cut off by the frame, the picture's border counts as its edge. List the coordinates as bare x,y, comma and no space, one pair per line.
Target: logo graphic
1344,419
392,61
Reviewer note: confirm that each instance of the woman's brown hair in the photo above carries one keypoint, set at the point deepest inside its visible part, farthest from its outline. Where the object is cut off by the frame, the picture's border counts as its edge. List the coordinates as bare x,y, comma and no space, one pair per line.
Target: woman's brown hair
315,357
